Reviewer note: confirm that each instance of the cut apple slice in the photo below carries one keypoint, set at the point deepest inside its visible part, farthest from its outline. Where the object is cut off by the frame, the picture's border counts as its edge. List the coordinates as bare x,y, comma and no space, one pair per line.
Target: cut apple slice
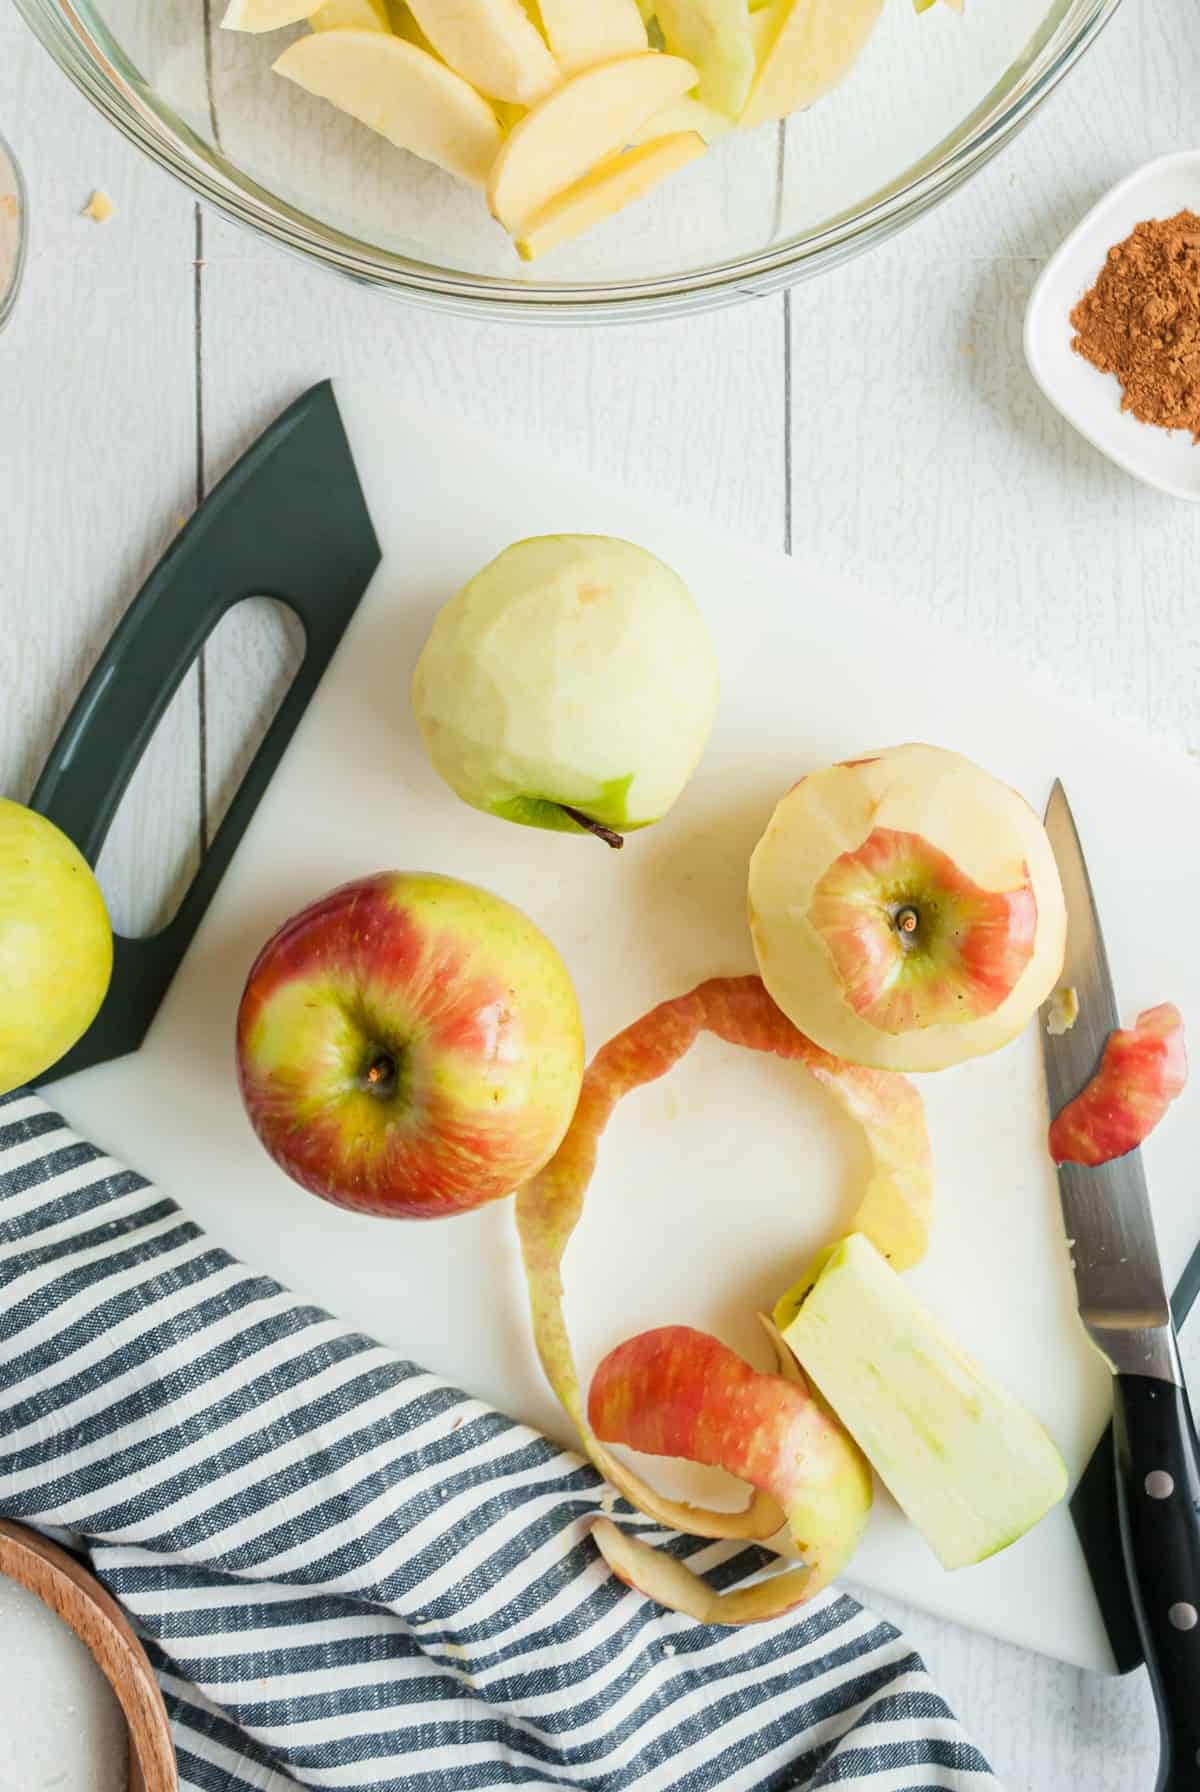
816,43
351,15
614,184
402,92
687,114
581,123
583,32
716,36
738,1010
264,15
493,44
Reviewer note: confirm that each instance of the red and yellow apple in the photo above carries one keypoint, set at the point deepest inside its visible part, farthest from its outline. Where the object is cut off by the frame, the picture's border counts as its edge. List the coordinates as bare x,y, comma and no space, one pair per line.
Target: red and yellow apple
409,1045
906,909
1142,1071
56,948
678,1392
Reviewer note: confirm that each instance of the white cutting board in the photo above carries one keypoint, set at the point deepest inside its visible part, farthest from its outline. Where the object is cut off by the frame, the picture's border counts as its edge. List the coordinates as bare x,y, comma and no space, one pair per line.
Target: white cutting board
716,1184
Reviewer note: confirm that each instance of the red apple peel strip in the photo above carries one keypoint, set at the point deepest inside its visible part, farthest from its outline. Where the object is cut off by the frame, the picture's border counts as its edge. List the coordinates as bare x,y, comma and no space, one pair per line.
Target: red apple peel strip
1143,1069
678,1392
894,1213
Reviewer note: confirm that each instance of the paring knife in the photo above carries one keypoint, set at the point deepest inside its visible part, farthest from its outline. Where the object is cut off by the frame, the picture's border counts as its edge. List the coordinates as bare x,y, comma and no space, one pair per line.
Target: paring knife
1125,1310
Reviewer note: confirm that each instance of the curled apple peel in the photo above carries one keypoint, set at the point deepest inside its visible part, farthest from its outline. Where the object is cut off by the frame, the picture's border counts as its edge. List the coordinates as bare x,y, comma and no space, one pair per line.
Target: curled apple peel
895,1210
1143,1069
679,1392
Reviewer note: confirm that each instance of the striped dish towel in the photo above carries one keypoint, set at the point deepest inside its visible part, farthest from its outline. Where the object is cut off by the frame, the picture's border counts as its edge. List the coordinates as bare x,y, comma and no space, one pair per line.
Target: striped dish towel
350,1575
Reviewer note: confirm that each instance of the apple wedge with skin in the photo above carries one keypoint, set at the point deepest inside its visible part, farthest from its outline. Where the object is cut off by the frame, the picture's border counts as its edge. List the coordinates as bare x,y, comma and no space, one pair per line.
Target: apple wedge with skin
589,118
402,92
584,32
814,46
678,1392
1143,1069
606,190
493,44
896,1205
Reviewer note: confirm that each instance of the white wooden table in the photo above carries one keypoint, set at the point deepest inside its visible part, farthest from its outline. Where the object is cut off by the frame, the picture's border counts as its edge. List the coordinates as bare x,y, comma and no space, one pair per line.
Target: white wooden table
880,420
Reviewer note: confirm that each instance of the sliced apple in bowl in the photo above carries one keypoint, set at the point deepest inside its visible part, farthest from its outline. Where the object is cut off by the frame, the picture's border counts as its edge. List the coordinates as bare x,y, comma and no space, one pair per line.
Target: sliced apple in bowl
493,44
584,32
809,46
606,190
590,117
402,92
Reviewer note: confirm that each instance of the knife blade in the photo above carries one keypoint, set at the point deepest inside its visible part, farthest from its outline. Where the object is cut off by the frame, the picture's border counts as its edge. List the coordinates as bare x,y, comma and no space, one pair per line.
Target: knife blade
1124,1307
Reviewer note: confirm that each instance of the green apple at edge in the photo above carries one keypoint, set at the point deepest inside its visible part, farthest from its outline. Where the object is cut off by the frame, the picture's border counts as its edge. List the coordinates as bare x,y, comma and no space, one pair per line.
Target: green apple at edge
571,684
56,947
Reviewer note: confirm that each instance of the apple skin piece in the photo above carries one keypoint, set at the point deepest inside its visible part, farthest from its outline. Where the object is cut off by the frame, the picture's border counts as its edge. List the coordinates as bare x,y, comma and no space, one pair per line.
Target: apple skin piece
493,44
610,187
716,36
56,947
815,45
678,1392
401,91
590,117
409,1046
891,900
582,33
1141,1072
739,1011
970,1467
573,670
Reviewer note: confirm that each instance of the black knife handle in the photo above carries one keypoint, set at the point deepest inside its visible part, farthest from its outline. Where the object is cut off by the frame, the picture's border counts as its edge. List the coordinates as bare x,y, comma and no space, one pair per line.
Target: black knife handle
1158,1496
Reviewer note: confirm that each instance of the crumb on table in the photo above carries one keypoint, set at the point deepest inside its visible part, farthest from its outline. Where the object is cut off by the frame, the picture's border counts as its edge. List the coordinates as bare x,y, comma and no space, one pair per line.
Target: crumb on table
99,207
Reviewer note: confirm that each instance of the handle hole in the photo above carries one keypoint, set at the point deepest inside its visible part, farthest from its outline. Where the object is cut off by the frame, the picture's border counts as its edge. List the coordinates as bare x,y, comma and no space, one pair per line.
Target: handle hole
154,845
250,660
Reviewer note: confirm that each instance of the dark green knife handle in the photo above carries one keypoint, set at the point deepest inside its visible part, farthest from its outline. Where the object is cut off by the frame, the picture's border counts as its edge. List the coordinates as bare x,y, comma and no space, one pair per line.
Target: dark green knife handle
1158,1499
289,522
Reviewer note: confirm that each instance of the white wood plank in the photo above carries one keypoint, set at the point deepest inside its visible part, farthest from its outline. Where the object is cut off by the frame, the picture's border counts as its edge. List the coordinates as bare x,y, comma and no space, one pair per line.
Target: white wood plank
96,446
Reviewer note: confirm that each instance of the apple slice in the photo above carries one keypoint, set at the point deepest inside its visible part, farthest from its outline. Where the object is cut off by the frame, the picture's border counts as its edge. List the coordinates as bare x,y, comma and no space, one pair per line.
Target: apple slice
402,92
264,15
716,36
614,184
738,1010
678,1392
815,45
581,123
687,114
351,15
1142,1071
583,32
493,44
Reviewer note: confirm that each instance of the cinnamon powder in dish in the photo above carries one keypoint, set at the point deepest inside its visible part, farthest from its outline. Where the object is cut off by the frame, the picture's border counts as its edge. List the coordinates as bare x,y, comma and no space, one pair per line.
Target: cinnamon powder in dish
1141,321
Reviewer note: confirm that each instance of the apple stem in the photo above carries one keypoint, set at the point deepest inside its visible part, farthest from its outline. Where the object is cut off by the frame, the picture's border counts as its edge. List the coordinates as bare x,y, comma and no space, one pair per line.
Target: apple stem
907,920
609,836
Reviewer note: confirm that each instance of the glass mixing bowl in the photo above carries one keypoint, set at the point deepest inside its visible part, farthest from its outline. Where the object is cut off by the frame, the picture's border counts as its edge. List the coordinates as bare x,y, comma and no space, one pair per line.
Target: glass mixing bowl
932,98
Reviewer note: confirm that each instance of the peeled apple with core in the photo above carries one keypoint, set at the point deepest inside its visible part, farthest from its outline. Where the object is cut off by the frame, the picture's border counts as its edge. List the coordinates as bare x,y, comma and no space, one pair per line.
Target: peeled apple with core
906,909
570,685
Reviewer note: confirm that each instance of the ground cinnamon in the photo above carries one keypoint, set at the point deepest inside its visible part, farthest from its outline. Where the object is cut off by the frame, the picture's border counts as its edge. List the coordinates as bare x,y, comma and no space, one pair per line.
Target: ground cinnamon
1141,321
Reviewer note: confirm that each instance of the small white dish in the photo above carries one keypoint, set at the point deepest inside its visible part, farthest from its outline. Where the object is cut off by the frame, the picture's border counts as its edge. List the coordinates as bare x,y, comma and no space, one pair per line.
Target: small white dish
1089,399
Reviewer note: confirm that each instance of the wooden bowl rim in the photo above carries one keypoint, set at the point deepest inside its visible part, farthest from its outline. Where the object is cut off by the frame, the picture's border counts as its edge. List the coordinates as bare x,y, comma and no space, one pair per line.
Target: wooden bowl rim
75,1596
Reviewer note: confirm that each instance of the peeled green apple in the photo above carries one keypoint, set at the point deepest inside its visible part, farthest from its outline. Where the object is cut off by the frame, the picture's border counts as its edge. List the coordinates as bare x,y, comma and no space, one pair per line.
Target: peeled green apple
571,684
56,947
906,909
409,1045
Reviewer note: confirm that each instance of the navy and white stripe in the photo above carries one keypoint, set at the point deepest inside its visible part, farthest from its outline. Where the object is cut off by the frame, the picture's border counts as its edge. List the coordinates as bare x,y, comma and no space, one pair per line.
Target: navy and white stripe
350,1575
